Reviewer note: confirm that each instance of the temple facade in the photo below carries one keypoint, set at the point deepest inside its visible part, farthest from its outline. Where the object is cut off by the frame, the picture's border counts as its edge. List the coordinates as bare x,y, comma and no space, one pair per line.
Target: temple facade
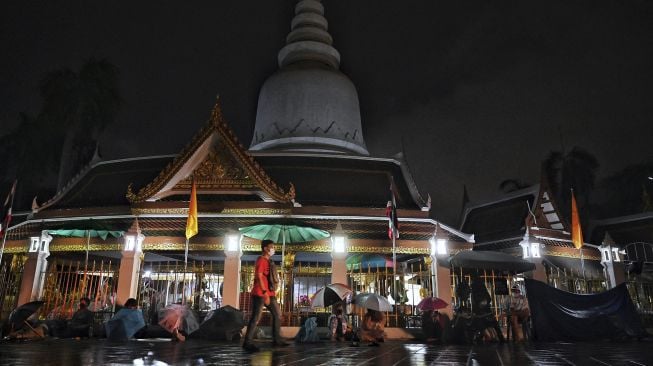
117,229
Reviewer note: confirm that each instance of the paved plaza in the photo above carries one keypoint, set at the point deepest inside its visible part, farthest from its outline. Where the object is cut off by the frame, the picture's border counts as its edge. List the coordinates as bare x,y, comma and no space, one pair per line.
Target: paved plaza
164,352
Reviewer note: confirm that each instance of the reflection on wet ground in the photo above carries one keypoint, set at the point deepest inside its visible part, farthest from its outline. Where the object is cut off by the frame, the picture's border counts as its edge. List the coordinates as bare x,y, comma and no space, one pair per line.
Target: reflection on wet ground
164,352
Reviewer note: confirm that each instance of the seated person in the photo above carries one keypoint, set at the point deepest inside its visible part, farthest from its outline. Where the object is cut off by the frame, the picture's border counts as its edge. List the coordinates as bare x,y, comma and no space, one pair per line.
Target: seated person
31,329
519,312
372,327
429,326
82,320
337,325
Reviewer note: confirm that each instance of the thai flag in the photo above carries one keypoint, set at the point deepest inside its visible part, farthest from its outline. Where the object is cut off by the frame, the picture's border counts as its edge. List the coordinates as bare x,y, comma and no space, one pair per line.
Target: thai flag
391,213
9,202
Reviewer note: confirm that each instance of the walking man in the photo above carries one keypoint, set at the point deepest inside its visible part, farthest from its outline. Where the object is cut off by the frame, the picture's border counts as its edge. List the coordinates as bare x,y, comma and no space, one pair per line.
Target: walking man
265,278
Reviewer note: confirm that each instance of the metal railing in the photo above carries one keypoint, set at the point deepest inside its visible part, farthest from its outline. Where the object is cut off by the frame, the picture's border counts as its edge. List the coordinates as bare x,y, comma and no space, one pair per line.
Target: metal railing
11,274
198,284
66,281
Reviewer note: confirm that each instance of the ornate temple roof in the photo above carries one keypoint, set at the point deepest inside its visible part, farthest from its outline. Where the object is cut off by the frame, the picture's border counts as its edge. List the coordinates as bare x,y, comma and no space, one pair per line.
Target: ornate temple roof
218,163
624,229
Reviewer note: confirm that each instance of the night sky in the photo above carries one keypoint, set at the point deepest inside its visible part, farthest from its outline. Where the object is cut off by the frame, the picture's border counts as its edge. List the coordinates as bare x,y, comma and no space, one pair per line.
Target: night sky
476,92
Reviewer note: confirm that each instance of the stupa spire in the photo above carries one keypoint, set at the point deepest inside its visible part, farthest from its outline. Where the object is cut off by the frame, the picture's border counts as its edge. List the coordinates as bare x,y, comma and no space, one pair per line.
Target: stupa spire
309,39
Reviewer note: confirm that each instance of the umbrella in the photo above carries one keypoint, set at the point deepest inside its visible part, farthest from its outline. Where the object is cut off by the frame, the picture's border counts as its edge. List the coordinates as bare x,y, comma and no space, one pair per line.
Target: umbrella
221,324
88,234
80,233
432,303
124,324
178,317
372,301
284,231
330,294
18,317
489,260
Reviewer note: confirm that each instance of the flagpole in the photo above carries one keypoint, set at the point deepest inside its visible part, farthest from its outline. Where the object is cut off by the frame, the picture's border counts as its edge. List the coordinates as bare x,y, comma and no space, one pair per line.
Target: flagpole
6,230
186,257
394,266
4,240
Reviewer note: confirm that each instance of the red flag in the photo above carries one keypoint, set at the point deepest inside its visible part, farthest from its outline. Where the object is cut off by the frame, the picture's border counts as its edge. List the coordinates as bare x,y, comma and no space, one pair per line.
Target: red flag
391,213
9,202
576,231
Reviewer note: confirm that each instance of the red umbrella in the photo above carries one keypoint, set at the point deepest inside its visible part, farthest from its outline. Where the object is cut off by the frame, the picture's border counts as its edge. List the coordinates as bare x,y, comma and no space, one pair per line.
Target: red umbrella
432,303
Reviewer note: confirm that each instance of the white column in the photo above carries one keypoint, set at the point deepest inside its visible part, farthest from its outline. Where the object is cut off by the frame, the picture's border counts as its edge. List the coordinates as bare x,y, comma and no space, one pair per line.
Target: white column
31,286
339,268
443,285
231,285
539,273
130,266
615,273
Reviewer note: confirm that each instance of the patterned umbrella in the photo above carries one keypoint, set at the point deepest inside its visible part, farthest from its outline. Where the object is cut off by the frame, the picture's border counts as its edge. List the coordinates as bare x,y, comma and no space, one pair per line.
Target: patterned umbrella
432,303
178,317
330,294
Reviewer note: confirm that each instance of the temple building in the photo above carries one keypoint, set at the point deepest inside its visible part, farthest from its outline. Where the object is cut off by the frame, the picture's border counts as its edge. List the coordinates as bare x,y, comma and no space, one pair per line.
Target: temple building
117,229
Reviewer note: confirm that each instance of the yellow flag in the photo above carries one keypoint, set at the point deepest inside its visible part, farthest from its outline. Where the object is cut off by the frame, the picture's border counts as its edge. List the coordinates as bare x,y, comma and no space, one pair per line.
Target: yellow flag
576,231
191,223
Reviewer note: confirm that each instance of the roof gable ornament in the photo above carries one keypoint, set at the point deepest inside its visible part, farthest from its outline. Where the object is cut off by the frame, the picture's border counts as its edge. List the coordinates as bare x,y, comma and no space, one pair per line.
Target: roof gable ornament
220,164
545,212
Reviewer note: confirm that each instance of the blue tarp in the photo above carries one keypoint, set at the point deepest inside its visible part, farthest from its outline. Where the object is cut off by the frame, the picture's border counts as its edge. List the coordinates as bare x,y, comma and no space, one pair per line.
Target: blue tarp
559,315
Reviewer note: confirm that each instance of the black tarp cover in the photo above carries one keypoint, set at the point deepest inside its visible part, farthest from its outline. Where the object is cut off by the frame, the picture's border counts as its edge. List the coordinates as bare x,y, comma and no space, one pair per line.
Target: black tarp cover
559,315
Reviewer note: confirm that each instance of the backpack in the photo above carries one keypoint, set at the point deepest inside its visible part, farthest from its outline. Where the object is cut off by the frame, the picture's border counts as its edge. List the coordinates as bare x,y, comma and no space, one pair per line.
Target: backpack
273,276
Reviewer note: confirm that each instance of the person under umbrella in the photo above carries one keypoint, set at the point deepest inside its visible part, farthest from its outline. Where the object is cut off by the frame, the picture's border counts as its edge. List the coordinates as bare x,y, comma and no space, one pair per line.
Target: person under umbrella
21,327
263,295
373,327
82,320
337,324
126,322
178,320
221,324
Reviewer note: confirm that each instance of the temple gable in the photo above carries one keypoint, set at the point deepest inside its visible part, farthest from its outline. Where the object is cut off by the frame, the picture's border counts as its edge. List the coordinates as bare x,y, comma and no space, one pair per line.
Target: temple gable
220,166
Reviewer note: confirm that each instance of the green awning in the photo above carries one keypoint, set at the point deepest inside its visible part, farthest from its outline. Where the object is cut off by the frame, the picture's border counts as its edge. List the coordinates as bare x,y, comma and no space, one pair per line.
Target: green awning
79,233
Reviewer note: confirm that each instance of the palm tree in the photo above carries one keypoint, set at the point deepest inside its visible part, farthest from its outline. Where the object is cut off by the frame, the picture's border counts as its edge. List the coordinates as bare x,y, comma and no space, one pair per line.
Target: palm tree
79,105
574,169
627,191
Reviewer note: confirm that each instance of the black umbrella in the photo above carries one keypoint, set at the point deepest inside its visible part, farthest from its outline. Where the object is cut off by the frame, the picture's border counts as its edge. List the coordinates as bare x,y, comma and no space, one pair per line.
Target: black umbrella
18,317
489,260
221,324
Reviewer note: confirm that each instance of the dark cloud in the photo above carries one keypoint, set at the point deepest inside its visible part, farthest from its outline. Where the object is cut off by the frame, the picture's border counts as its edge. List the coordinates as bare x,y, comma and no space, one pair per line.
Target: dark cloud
478,91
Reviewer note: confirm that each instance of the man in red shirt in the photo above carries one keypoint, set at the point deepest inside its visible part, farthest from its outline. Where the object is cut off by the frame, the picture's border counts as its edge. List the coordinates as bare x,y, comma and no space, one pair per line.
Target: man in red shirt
263,295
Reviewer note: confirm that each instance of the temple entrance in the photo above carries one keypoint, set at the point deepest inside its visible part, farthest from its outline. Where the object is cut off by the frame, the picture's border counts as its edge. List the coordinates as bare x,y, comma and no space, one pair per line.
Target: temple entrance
11,274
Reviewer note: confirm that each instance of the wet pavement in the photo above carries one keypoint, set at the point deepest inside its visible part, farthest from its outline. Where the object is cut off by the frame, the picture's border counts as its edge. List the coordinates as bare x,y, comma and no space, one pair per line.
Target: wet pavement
164,352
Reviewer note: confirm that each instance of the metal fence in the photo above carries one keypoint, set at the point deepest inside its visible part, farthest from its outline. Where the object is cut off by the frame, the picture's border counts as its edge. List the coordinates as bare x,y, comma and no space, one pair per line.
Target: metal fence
66,281
576,281
198,284
11,274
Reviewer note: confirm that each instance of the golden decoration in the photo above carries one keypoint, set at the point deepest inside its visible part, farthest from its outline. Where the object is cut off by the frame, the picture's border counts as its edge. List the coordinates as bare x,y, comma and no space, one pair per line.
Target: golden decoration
160,211
250,168
289,260
256,211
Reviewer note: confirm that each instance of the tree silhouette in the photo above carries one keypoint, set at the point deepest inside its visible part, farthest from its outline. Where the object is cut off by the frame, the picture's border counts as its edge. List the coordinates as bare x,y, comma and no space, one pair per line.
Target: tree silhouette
574,169
47,150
